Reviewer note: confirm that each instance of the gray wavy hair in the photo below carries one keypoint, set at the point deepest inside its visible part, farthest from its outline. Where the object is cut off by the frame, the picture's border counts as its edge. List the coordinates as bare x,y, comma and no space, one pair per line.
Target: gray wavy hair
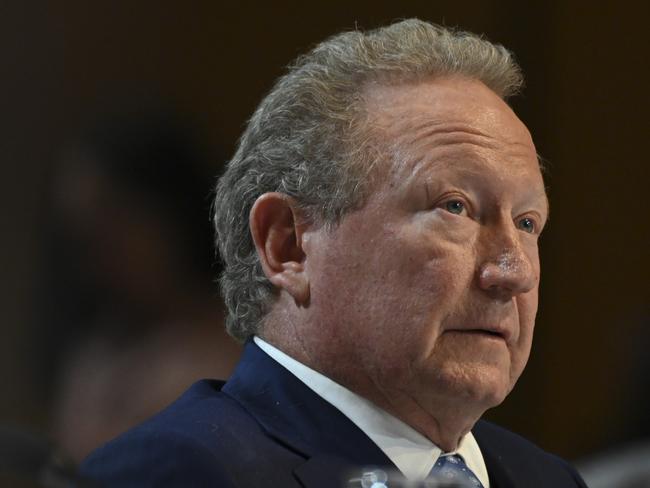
309,139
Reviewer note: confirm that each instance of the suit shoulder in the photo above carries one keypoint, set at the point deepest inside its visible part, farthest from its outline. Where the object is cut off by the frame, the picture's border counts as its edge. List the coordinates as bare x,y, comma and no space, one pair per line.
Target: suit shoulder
522,458
143,459
184,445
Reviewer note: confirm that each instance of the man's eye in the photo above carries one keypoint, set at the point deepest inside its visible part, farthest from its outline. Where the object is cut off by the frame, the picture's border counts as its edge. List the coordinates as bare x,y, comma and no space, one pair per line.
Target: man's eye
527,225
455,206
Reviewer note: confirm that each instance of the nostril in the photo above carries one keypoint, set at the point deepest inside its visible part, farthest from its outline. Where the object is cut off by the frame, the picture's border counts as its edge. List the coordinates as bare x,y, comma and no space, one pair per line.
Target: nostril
500,293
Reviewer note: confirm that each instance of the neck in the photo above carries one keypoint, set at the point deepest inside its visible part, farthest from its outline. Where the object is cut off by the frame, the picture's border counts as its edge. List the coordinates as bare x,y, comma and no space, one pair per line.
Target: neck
443,422
444,425
441,414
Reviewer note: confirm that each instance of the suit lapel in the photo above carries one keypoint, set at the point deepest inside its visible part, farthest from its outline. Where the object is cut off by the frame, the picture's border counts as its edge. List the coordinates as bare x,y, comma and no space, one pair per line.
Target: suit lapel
298,418
499,472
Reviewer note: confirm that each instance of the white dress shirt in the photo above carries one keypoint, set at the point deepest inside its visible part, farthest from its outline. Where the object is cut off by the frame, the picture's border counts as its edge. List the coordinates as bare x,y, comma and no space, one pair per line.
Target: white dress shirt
412,453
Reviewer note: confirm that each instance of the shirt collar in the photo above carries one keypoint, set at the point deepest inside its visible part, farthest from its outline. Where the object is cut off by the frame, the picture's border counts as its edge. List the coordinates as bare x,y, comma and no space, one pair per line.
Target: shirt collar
412,453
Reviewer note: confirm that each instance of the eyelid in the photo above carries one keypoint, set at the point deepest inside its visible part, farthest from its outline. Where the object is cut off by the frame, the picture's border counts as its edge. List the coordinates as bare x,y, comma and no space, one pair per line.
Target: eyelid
452,196
538,221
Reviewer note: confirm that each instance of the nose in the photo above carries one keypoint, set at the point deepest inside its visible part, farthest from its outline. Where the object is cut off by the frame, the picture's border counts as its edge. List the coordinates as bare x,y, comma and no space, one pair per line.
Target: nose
507,271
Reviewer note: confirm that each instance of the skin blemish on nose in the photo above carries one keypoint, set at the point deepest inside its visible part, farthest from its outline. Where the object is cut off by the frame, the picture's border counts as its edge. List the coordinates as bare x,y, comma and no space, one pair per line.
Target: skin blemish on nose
507,263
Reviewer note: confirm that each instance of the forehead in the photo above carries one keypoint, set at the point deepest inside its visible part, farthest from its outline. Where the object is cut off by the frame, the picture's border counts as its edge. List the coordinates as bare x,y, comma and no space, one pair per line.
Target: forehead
444,101
453,123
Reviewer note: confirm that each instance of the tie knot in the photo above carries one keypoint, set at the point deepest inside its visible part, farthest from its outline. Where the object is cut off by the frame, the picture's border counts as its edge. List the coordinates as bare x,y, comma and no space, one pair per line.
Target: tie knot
451,471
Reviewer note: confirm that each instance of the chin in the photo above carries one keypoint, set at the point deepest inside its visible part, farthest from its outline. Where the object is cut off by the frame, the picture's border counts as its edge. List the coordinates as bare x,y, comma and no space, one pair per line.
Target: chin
484,386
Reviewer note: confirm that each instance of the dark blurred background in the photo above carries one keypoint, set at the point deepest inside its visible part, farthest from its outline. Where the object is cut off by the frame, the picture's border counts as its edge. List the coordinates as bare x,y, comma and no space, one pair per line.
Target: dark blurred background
192,72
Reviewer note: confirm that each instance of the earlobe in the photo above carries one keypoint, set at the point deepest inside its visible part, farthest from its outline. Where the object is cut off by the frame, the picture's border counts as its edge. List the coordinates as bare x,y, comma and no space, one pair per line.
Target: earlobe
276,229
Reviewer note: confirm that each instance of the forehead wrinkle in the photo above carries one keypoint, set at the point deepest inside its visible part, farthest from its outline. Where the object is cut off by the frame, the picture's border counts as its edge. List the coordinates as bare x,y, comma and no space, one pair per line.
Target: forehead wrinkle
412,137
410,131
447,150
430,133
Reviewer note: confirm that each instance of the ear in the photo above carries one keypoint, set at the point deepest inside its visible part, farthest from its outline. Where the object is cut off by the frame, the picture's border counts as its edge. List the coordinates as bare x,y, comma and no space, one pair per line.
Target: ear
275,226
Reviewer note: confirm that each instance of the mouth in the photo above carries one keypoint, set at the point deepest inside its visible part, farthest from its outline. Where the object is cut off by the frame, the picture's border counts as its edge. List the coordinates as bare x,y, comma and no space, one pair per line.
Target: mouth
485,333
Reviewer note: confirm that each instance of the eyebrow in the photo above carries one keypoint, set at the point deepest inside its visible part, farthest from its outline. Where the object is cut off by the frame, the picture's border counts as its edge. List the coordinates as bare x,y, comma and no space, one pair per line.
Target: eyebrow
543,163
548,206
535,196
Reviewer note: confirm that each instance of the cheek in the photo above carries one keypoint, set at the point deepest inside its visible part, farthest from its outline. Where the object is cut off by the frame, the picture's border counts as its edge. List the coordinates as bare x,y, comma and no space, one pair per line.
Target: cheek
527,310
387,295
419,287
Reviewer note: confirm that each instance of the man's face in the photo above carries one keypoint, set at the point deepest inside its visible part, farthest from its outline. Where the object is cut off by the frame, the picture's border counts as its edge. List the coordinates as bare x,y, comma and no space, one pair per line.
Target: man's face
431,287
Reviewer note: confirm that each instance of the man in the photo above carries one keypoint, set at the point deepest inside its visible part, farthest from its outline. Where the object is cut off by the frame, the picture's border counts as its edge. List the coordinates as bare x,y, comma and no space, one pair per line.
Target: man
379,225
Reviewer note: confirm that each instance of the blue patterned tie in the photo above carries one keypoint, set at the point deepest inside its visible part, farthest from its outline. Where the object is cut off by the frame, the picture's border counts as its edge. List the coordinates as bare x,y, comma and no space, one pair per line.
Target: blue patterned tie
451,470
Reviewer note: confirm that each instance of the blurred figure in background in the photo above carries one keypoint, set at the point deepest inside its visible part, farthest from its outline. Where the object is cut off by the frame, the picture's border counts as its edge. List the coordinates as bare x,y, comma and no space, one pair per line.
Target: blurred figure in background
131,309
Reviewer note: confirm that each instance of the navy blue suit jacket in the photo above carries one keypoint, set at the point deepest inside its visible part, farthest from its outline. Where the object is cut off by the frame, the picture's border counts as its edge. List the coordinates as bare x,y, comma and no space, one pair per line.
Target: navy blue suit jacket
264,427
